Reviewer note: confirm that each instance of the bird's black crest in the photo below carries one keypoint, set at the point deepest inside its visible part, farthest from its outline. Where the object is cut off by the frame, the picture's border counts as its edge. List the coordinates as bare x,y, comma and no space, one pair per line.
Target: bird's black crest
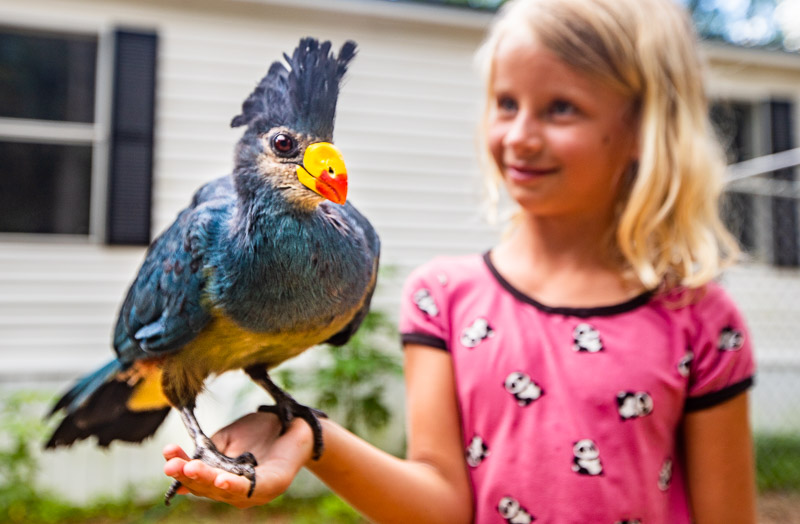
302,96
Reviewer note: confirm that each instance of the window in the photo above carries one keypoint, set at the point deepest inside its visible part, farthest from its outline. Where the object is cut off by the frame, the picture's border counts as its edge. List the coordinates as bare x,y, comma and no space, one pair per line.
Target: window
47,94
762,210
71,165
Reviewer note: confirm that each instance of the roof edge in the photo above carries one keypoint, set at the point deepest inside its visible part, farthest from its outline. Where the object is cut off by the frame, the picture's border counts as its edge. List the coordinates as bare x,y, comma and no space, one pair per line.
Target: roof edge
724,52
434,14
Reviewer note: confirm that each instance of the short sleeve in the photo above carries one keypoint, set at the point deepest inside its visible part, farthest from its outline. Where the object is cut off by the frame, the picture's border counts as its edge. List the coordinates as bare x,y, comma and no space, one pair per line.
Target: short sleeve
723,364
422,309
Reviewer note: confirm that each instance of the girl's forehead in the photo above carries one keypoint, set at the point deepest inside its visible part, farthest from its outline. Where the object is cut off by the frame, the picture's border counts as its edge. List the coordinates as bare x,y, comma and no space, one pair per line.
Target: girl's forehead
521,57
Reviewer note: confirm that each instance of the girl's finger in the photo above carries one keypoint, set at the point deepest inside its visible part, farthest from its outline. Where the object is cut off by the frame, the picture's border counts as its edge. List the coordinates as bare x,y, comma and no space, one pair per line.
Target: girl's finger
232,484
172,451
174,466
200,472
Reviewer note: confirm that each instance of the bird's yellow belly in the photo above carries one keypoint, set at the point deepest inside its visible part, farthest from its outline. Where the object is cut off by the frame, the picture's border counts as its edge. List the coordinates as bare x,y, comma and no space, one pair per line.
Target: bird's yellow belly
223,345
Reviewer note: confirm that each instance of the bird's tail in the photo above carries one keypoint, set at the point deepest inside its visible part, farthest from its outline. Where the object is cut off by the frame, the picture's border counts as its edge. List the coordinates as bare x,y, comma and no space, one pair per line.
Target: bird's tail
99,404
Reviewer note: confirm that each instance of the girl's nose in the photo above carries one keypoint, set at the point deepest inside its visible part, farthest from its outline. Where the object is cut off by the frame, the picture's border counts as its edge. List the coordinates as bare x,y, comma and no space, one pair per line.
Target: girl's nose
524,136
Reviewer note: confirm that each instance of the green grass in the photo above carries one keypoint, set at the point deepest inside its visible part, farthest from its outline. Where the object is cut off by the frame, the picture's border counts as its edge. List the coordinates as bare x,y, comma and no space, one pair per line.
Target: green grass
284,510
778,462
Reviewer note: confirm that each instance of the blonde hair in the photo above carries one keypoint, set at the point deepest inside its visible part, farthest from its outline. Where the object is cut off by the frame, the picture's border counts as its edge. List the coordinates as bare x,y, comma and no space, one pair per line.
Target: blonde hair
668,228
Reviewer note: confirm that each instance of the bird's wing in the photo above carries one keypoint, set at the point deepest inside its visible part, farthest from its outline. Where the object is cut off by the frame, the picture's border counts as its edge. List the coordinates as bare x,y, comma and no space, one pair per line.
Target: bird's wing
361,227
164,308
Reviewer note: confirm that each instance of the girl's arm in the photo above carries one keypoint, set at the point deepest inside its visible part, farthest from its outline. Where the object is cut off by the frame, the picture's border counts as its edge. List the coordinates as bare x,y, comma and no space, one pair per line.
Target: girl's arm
431,485
720,468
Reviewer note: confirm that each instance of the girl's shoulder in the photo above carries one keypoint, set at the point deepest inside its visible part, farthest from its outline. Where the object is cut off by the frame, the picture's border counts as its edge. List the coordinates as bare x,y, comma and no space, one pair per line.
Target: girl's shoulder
451,269
707,299
705,312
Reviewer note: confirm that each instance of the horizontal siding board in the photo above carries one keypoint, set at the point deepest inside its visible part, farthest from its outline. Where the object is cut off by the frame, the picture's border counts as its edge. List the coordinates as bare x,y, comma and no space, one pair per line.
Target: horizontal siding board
53,335
66,288
46,311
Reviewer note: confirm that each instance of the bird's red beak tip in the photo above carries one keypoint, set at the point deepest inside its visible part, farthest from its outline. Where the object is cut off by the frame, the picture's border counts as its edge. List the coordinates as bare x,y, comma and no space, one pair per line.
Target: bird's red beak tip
333,188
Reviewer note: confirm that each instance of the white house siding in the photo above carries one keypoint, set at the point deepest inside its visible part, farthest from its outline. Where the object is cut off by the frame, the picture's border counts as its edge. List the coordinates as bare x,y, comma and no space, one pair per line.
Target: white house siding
406,124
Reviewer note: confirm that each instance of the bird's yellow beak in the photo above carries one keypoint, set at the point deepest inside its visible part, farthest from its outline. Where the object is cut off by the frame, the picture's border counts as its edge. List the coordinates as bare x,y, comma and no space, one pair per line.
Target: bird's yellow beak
323,171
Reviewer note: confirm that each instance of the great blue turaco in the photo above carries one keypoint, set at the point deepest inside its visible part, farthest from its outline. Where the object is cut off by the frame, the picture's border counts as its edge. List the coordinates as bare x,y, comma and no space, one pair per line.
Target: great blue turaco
263,264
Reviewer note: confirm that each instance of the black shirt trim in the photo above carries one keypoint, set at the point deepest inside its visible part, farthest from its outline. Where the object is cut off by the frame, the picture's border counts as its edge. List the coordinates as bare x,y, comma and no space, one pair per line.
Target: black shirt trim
423,339
717,397
584,312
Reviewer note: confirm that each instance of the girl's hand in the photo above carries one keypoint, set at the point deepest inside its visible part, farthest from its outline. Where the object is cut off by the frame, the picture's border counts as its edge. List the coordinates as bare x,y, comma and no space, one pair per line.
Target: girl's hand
279,459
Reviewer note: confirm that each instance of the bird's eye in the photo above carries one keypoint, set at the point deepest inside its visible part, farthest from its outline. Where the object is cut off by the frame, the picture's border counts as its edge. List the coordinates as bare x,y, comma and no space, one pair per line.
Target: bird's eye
283,144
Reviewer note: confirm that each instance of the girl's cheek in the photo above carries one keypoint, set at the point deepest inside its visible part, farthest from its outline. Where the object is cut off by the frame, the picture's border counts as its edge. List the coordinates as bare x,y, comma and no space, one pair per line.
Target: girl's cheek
496,136
572,142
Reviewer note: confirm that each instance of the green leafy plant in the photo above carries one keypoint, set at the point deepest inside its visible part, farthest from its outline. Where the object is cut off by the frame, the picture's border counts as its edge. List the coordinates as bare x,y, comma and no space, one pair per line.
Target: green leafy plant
22,432
351,380
19,432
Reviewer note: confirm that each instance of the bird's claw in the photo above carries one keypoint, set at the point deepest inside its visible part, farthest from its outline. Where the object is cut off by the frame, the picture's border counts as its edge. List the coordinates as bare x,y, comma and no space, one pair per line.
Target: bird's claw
288,411
244,465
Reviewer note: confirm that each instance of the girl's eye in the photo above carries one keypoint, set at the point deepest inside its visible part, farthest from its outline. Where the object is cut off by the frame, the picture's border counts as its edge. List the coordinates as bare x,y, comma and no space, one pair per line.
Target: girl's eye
506,104
283,144
562,107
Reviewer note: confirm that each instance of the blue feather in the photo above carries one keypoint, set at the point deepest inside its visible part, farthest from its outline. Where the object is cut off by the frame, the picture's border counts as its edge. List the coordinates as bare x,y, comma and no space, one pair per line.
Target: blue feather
86,386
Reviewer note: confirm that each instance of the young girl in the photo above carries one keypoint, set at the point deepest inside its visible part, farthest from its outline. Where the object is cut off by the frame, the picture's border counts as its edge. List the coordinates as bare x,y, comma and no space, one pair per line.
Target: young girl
586,369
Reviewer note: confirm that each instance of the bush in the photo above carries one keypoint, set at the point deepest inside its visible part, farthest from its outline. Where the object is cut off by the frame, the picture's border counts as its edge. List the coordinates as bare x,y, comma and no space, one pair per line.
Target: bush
350,380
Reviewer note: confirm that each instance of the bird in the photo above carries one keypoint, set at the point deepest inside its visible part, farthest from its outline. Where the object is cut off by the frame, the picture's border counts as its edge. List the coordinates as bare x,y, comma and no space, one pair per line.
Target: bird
264,263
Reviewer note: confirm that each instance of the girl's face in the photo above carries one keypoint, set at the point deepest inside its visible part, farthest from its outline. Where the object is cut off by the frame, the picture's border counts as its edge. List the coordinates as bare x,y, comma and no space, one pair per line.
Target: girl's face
561,140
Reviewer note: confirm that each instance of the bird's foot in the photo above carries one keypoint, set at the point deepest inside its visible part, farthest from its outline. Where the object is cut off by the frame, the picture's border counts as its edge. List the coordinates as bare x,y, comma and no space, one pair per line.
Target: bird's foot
289,409
244,465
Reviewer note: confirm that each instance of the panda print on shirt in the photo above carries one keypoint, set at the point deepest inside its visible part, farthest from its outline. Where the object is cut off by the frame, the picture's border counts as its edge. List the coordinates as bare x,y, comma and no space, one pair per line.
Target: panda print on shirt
634,405
665,475
425,302
511,510
586,339
684,366
730,339
586,460
476,333
477,451
522,388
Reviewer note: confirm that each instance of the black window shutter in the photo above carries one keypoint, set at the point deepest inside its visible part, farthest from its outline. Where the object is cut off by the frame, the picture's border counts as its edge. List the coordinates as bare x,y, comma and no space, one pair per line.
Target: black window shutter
130,174
786,251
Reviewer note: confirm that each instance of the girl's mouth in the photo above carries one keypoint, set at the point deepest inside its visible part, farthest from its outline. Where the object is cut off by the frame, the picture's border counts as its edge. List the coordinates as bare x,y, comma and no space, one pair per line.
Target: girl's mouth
523,173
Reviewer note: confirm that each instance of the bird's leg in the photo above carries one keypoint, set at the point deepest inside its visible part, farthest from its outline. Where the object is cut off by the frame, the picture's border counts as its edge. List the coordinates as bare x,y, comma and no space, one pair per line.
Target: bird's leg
288,408
205,450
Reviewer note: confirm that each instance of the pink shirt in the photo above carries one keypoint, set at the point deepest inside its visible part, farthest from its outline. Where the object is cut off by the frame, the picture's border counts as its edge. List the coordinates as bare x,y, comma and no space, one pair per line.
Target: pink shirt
571,415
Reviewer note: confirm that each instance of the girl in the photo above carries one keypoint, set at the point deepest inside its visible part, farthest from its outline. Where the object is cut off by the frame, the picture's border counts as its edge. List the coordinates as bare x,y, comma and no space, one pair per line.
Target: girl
586,369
